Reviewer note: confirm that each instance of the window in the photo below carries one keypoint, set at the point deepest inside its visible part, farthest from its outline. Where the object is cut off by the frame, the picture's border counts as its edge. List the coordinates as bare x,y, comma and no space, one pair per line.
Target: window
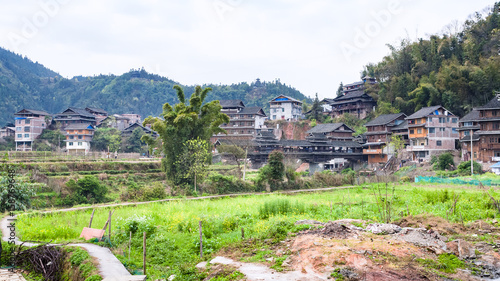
71,137
79,137
26,129
466,133
441,120
70,143
447,119
454,120
454,130
438,143
412,131
466,124
373,156
283,110
19,129
429,119
27,121
79,143
19,135
442,129
18,121
432,130
494,113
496,126
26,135
274,117
419,131
419,121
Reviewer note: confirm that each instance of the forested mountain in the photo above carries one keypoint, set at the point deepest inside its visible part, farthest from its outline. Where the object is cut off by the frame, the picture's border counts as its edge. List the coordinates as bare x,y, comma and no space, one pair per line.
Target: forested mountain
459,70
25,84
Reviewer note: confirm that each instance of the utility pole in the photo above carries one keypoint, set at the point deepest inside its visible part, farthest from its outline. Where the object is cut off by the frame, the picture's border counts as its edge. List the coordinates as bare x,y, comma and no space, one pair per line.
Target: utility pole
245,163
471,156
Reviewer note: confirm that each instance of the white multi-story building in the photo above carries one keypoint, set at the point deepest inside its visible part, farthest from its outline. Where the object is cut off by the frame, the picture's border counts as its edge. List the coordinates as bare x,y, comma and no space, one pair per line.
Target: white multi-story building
78,138
286,108
29,125
245,122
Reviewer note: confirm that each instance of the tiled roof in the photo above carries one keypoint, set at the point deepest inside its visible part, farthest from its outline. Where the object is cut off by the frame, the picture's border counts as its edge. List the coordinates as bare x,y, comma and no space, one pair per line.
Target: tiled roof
492,104
350,95
97,110
33,111
79,126
287,97
251,110
79,111
402,126
471,116
325,128
424,112
384,119
231,103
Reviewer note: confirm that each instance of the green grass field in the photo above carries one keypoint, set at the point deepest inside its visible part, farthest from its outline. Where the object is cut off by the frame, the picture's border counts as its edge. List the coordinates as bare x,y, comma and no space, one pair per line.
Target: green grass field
172,227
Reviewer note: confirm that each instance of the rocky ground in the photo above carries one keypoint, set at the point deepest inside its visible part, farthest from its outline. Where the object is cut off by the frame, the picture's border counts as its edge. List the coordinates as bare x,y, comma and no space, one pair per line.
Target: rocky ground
415,248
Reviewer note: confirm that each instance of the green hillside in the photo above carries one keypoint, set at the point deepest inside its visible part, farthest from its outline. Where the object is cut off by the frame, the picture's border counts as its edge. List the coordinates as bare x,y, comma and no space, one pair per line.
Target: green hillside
459,70
26,84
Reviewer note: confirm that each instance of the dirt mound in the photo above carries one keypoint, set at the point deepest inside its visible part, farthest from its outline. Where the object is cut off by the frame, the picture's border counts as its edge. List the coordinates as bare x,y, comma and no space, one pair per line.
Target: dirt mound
333,230
428,221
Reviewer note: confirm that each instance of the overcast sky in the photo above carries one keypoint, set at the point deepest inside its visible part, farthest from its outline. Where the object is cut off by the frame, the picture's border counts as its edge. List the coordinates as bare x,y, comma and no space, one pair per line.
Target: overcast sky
312,45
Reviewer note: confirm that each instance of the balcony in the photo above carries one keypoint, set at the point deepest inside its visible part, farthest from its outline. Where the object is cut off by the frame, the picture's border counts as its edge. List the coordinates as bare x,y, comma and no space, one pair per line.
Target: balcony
372,151
416,148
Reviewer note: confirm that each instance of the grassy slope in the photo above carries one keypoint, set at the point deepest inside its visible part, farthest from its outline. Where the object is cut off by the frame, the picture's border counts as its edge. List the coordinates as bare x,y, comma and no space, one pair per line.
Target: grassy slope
173,227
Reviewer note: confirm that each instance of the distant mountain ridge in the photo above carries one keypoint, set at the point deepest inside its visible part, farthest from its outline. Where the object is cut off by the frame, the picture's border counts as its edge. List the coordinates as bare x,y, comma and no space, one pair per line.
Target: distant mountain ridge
28,84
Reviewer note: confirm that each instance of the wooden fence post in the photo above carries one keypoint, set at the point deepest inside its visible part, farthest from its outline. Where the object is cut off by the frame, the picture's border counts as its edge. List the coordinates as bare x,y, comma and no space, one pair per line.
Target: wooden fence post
201,242
109,231
129,245
144,253
242,233
91,218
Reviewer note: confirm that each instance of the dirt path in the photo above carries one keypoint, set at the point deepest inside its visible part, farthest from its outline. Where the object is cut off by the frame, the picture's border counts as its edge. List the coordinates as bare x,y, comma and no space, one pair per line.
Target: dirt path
259,272
110,268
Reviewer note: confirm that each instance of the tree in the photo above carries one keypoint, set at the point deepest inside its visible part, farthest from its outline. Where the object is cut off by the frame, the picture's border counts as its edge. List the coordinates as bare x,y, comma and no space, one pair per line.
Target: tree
316,110
107,138
340,90
186,121
133,143
21,194
236,153
445,162
195,158
396,144
276,169
151,142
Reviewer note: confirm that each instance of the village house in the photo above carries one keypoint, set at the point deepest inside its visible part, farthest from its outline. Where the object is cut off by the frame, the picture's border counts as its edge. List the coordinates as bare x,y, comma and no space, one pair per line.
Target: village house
483,125
128,131
8,130
354,100
431,130
78,138
333,131
120,121
244,121
100,114
73,115
29,125
285,108
379,133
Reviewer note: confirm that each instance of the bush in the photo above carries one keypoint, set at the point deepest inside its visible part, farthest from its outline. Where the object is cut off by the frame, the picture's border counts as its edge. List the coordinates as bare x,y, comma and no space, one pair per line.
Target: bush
220,184
405,179
86,190
327,178
464,168
280,207
445,162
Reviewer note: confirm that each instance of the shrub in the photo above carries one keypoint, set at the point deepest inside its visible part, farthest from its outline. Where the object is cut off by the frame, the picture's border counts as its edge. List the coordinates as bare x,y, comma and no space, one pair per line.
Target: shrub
464,168
221,184
405,179
327,178
86,190
445,162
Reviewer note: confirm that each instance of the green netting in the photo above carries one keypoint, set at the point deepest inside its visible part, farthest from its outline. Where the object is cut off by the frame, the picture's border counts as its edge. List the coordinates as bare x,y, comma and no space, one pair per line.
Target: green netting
454,181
